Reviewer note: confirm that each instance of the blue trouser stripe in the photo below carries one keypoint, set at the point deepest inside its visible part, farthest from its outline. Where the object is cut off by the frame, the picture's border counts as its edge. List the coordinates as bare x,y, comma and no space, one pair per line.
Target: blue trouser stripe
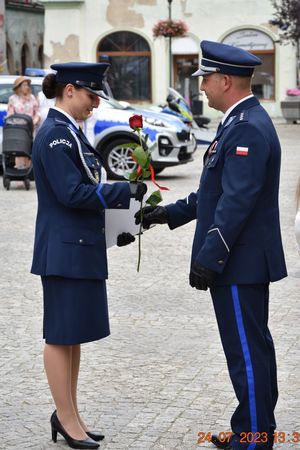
98,192
247,359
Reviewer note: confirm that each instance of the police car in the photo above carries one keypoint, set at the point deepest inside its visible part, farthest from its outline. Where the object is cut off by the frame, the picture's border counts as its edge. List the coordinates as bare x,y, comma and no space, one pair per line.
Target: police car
108,129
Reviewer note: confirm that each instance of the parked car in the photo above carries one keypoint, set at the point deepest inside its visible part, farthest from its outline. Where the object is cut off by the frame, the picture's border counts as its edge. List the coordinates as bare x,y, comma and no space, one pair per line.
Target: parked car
171,141
177,106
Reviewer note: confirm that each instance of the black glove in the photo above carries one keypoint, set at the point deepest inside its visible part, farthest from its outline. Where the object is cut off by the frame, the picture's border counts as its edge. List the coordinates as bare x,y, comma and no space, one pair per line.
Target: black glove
125,239
151,215
137,190
201,278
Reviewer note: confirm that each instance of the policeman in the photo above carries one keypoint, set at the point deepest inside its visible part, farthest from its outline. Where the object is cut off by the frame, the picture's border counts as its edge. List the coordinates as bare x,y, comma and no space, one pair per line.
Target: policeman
69,249
237,247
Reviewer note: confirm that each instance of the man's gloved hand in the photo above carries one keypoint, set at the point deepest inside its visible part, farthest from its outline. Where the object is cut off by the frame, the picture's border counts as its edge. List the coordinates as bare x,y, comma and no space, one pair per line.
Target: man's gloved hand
201,278
125,239
151,215
137,190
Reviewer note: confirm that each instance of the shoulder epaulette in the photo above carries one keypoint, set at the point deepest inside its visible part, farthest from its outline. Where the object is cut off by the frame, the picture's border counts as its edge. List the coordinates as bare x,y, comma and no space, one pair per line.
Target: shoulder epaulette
58,122
242,117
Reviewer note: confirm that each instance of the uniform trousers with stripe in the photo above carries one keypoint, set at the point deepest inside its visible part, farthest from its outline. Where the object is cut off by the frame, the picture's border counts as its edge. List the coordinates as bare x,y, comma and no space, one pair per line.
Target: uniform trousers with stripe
242,316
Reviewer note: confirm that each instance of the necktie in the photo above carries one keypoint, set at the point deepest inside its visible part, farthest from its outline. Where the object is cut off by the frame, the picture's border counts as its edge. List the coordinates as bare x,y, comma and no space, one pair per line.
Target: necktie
213,145
219,127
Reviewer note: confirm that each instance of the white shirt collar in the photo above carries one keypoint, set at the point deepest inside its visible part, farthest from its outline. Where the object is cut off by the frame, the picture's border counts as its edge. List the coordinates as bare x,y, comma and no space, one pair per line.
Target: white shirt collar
67,115
233,106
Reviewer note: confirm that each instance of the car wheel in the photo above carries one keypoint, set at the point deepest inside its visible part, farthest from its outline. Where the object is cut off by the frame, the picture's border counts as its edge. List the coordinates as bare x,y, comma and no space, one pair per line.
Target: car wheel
117,159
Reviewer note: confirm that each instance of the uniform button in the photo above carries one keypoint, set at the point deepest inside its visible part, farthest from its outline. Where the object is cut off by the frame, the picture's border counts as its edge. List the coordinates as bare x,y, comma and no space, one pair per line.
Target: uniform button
119,205
220,261
80,241
102,230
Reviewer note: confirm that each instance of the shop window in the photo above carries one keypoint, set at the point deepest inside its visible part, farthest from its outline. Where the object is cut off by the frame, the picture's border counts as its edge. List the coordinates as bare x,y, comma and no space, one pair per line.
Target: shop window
261,45
184,66
185,52
130,74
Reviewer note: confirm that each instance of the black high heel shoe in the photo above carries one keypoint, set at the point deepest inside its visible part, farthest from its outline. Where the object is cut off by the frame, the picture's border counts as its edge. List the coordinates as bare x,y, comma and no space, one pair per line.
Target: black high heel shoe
56,427
95,435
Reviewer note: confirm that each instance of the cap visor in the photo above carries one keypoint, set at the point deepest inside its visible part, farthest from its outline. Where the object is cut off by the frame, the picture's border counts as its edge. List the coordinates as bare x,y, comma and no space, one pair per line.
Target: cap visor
100,93
201,73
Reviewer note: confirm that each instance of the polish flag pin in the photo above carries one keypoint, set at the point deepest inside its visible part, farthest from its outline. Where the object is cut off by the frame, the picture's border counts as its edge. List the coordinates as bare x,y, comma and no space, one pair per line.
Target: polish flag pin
243,151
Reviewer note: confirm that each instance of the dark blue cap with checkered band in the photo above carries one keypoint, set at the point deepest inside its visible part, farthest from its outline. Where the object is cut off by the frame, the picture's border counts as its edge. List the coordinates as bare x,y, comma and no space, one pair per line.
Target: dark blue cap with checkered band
227,59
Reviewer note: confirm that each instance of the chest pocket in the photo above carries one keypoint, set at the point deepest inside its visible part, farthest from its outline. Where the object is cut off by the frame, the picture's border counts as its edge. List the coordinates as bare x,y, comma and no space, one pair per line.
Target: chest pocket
211,178
213,160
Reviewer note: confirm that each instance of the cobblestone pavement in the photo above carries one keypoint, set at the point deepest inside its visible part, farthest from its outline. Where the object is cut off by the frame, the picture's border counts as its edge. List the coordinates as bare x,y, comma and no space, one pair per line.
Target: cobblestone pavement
161,377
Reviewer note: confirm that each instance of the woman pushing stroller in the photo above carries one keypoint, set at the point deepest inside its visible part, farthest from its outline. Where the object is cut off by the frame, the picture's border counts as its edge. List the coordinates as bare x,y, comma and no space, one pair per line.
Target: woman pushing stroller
23,102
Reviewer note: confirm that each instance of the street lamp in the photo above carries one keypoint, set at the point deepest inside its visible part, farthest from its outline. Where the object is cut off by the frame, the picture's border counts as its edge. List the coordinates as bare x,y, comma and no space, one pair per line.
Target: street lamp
170,44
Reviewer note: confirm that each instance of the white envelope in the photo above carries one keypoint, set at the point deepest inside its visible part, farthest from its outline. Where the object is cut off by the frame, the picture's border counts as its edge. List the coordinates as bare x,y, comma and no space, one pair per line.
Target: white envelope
118,221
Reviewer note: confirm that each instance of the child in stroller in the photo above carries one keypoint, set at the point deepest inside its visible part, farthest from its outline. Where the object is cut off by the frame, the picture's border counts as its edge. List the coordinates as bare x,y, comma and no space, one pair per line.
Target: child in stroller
17,141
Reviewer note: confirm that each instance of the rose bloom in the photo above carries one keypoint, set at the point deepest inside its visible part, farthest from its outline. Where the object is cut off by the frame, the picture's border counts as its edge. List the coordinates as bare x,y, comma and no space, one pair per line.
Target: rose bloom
136,122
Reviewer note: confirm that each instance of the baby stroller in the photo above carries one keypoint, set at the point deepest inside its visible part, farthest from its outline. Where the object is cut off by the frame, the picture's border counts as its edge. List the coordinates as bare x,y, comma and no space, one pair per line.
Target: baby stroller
17,141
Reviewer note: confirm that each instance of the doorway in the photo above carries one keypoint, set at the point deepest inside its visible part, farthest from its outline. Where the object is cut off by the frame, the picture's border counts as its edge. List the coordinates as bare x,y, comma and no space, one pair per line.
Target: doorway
183,67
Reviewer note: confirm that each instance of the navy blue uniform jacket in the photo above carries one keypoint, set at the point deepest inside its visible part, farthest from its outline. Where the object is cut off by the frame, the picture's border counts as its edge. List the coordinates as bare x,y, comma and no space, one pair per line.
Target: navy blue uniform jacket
236,206
70,224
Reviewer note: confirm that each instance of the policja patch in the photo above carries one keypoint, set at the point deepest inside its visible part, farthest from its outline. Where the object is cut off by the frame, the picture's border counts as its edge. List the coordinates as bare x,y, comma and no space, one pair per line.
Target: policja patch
60,141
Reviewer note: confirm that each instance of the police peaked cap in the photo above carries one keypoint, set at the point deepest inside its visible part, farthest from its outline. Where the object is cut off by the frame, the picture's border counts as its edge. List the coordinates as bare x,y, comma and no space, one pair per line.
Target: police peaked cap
86,75
227,59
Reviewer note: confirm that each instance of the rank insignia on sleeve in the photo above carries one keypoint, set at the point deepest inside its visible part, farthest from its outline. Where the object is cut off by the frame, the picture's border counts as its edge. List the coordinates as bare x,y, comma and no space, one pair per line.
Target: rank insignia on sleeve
243,151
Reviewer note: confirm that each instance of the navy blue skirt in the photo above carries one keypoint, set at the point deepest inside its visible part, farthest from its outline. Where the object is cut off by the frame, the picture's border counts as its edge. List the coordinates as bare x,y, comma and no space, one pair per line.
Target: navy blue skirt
75,311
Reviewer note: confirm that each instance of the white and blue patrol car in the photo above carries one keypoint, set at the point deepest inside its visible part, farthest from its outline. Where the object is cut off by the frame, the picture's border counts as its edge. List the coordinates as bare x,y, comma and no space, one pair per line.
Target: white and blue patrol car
108,129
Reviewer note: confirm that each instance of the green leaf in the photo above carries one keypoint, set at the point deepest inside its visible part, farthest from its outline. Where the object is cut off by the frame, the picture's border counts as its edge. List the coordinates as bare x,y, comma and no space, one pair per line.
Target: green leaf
146,173
132,176
154,199
132,145
140,156
147,164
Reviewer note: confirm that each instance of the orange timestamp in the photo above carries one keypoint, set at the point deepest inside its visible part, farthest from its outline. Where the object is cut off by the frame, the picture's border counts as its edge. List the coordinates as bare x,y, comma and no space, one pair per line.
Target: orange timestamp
282,437
279,437
223,436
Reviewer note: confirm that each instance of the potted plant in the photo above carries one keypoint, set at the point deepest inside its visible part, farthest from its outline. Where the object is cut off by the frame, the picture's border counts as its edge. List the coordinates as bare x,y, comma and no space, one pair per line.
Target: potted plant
290,106
170,28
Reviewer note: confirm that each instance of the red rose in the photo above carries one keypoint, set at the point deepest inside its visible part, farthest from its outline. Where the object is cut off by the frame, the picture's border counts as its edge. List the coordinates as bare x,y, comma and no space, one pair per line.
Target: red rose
136,122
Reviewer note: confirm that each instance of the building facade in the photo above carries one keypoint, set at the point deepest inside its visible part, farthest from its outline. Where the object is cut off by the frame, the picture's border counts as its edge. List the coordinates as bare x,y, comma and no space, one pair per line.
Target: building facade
24,32
2,38
142,66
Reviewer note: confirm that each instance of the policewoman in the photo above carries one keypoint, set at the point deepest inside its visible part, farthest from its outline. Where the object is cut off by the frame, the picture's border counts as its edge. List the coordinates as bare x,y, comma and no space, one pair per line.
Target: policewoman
237,249
69,249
